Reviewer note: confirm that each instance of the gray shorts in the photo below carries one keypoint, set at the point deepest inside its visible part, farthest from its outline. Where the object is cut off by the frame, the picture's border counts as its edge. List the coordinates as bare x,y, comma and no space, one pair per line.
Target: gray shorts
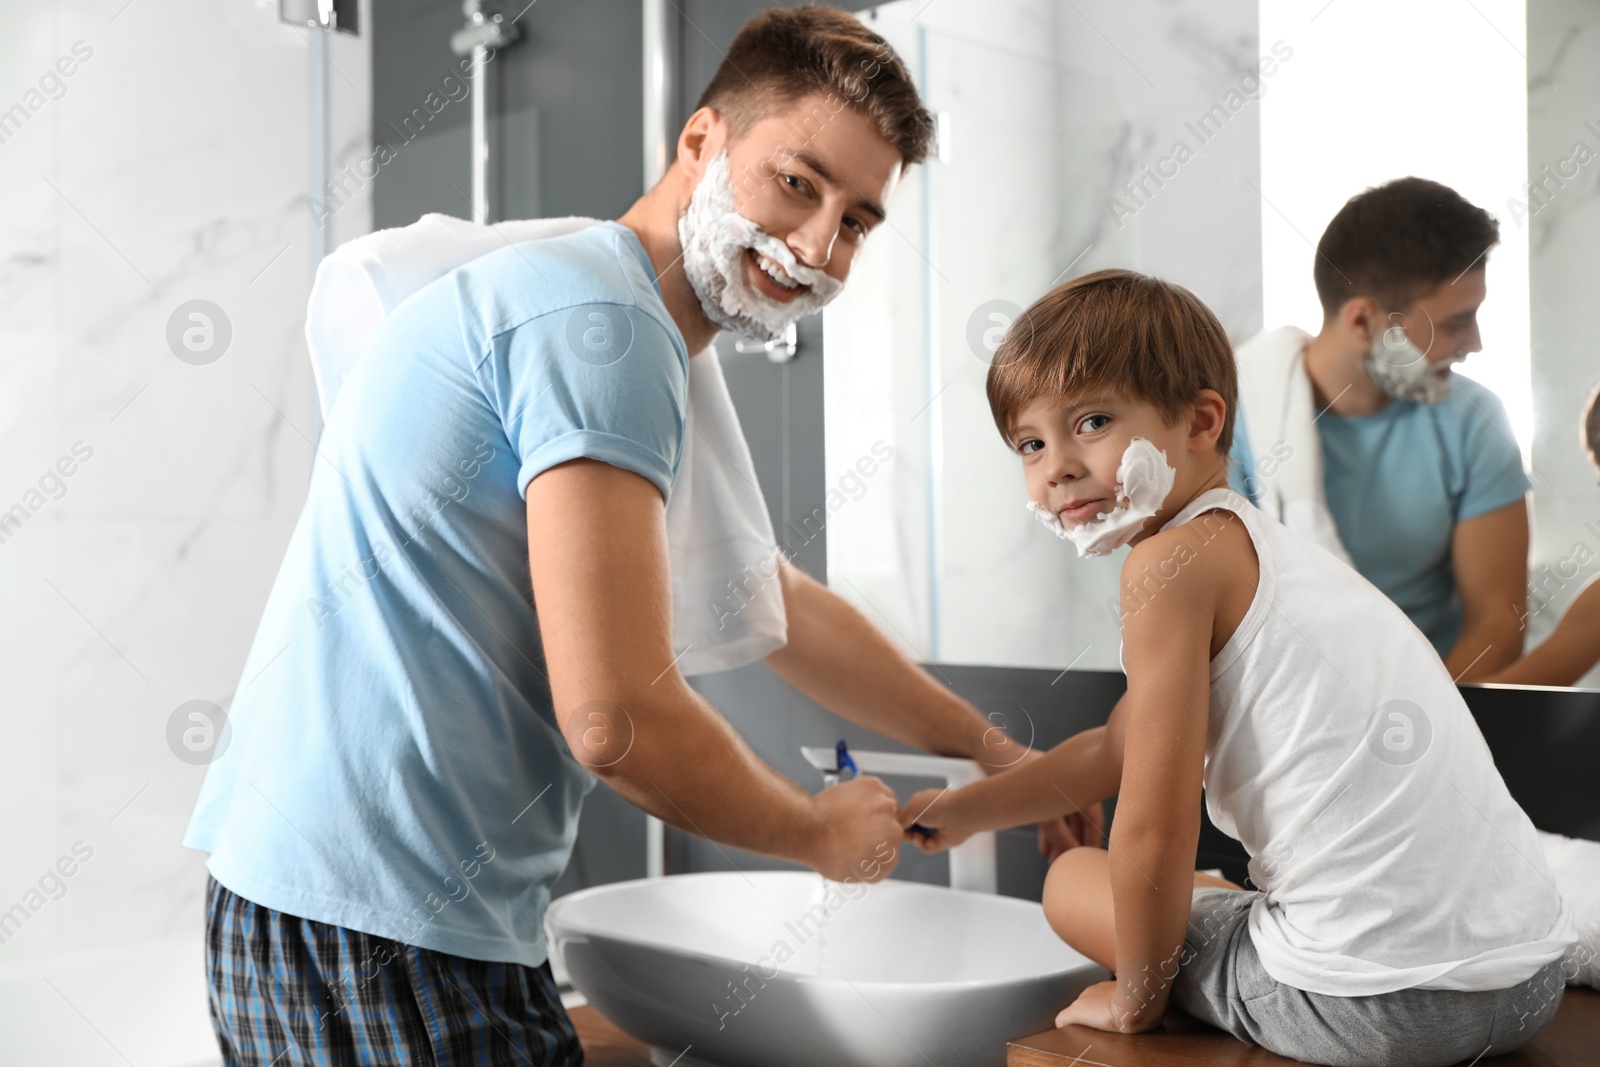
1220,980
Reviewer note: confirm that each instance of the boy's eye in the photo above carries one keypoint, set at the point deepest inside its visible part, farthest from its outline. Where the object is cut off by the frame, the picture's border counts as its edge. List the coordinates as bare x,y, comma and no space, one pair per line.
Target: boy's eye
1026,447
1084,427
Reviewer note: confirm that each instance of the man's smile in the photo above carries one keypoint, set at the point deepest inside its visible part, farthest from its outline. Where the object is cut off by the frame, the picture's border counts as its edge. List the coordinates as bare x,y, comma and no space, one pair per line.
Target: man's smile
770,279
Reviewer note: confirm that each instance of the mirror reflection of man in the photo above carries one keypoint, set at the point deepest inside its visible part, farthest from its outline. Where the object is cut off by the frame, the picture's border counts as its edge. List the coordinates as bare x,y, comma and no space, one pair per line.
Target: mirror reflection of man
406,771
1362,437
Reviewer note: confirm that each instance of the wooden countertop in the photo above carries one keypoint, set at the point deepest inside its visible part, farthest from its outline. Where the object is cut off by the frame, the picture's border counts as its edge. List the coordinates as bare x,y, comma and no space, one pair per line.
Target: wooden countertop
603,1044
1572,1038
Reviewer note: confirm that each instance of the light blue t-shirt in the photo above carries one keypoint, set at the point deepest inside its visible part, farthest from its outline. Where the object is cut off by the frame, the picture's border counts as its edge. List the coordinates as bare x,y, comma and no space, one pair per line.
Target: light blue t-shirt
1397,481
394,764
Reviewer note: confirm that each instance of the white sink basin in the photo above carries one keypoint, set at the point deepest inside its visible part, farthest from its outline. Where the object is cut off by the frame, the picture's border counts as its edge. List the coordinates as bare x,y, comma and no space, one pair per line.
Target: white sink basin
768,969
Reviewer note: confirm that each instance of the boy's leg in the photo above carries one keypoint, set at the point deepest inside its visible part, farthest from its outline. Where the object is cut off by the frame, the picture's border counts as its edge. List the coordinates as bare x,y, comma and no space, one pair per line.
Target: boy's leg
1077,902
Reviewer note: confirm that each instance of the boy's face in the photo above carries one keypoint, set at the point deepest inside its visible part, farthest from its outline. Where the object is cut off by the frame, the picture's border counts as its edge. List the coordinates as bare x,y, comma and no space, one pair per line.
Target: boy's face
1071,451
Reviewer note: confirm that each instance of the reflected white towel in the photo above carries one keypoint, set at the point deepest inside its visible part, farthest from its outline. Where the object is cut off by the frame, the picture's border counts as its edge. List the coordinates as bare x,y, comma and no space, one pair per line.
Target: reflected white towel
1280,420
1575,865
727,607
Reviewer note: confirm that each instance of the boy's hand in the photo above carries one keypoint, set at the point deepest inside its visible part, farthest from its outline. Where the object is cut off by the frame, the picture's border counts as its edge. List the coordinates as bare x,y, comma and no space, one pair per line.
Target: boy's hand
1066,832
940,811
1103,1007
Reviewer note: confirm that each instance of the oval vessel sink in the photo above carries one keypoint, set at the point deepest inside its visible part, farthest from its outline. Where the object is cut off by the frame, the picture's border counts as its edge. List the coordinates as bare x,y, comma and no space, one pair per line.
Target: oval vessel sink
782,969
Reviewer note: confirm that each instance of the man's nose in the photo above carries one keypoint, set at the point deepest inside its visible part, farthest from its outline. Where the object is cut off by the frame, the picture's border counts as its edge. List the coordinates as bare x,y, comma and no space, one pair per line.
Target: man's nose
812,244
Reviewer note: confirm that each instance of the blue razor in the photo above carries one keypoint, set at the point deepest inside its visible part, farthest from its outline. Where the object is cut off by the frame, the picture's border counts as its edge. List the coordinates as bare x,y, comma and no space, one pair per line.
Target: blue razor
843,762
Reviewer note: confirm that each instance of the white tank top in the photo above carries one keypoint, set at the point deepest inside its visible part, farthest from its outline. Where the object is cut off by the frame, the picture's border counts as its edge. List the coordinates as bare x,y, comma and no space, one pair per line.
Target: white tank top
1341,755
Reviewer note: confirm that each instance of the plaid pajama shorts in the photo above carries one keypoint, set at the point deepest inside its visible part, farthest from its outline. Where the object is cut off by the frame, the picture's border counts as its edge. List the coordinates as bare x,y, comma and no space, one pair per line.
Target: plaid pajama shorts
292,992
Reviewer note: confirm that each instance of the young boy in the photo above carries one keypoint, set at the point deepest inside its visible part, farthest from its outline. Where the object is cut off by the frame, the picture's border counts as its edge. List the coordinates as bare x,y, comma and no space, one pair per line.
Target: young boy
1403,912
1573,647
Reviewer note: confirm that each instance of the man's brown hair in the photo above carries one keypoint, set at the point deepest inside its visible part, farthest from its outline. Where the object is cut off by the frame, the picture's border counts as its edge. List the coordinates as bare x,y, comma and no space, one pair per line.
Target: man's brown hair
1120,332
1399,241
788,53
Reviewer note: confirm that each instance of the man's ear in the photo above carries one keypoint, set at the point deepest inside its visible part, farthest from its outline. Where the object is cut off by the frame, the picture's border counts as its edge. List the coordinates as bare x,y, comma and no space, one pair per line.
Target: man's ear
1206,417
1359,316
702,137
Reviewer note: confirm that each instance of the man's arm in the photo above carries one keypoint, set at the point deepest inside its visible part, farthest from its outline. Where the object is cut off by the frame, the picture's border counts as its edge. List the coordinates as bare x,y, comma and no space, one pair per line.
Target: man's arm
840,660
1489,555
598,560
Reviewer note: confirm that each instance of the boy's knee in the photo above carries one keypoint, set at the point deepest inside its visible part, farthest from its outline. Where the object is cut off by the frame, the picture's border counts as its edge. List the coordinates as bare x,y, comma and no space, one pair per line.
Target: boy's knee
1065,881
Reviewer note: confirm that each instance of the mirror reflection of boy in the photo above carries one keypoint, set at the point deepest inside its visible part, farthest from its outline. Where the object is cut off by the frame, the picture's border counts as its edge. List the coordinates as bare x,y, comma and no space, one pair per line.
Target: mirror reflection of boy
1573,647
1403,914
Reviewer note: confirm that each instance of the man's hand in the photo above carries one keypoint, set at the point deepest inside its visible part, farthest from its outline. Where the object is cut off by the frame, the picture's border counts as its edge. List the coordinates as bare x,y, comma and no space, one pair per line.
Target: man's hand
1103,1007
861,842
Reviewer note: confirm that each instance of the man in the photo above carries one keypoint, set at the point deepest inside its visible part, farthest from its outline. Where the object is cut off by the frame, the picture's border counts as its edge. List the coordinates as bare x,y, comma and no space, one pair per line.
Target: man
410,754
1363,438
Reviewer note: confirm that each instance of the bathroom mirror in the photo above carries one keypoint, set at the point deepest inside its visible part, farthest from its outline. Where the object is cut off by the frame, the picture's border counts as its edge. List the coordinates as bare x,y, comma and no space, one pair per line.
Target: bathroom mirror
1208,146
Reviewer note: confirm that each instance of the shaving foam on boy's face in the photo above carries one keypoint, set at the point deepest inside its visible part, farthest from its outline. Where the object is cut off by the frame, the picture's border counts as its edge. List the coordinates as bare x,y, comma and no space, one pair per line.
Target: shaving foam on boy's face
1144,478
716,240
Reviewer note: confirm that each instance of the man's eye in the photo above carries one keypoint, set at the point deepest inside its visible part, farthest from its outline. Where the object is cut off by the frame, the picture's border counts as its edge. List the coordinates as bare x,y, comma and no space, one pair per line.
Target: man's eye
795,182
855,224
1102,419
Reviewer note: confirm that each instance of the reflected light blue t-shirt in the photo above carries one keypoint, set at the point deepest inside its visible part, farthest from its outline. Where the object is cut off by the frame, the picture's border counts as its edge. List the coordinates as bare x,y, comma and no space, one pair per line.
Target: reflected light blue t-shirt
394,764
1398,480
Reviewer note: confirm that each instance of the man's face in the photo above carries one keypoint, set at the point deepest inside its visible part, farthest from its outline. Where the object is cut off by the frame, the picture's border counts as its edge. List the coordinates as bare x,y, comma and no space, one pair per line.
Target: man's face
1071,450
1444,323
816,179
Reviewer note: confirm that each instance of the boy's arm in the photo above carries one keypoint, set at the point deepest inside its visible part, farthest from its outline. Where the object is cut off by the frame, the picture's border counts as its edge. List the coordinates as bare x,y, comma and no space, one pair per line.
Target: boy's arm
1166,648
1067,780
1567,654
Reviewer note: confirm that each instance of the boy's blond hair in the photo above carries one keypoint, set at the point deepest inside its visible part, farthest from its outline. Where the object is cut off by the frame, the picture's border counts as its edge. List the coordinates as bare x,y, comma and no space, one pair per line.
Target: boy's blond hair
1119,331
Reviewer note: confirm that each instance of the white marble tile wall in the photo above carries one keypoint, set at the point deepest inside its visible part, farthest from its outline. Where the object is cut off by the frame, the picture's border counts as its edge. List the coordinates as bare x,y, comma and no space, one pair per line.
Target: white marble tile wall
1051,108
152,152
1564,261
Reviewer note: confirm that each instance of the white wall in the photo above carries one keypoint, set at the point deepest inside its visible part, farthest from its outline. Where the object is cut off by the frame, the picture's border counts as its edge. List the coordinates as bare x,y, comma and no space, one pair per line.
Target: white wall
171,166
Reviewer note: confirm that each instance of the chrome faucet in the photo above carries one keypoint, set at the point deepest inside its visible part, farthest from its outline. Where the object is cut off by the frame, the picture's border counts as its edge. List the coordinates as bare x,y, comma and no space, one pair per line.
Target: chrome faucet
972,863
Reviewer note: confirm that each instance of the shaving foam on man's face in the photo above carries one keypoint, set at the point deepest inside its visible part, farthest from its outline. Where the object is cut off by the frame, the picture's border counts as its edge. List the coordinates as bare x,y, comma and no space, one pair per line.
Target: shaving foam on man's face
717,242
1144,478
1403,371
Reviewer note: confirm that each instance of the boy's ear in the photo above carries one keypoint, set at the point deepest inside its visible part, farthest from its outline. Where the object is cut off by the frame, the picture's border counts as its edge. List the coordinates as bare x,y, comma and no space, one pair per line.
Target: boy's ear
1206,417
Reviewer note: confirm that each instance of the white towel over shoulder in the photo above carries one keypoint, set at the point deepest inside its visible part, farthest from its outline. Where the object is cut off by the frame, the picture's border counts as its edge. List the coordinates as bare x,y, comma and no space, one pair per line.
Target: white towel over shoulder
727,606
1280,420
